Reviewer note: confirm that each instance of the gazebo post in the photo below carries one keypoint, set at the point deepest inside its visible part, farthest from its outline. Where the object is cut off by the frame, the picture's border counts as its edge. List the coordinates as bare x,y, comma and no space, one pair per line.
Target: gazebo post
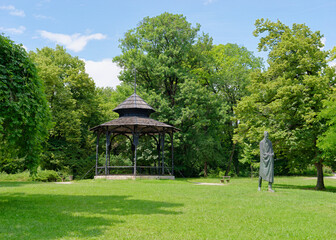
158,153
107,150
135,143
162,148
97,154
172,151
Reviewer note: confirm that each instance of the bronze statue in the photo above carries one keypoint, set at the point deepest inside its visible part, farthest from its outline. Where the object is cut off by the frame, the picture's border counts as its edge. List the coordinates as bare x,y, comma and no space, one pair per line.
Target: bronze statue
266,170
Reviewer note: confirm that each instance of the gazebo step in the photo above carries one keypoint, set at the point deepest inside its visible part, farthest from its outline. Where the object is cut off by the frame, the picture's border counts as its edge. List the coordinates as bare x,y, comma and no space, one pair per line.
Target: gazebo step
125,177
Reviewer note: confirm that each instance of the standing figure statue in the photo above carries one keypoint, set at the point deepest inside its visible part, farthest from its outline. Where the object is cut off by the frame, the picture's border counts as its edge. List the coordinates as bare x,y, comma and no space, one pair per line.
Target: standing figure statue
266,170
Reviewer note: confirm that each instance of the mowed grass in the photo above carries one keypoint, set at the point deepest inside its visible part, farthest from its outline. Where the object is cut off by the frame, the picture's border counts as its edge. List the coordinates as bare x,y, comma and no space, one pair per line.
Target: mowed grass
165,209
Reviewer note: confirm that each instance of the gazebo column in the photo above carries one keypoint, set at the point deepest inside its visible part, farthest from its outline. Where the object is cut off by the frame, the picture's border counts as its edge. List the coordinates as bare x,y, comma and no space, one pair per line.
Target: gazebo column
107,151
135,143
158,143
172,151
162,136
97,153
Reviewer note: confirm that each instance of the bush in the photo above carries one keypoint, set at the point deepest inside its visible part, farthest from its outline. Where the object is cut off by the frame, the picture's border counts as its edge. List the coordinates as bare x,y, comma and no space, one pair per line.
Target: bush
46,176
22,177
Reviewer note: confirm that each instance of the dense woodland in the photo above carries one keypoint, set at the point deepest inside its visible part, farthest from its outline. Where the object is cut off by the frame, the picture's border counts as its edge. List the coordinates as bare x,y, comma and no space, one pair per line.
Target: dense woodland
222,97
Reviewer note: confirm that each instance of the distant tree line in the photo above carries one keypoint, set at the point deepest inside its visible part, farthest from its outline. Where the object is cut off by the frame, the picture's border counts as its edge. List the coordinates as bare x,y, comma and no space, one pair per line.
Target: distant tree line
221,96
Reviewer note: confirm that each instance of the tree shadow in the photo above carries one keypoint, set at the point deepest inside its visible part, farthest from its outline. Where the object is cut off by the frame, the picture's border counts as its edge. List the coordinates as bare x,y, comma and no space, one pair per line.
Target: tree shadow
15,184
39,216
304,187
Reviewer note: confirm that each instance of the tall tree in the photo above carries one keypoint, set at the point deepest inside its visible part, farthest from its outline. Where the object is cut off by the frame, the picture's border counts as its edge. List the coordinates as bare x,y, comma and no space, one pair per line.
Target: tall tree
286,99
159,49
327,140
228,69
24,113
74,106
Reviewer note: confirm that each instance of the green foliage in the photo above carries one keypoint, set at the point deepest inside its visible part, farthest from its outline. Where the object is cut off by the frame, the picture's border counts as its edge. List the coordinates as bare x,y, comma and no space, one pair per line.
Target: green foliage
192,84
18,177
327,141
250,157
24,114
46,176
229,67
74,106
110,98
12,165
159,49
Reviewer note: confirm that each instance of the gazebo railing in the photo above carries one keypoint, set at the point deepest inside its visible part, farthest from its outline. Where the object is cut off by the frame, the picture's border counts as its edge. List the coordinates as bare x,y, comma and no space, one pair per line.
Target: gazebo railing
128,170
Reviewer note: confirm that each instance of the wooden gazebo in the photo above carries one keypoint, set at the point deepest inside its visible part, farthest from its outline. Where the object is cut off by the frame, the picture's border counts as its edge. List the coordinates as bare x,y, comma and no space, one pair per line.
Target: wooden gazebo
134,121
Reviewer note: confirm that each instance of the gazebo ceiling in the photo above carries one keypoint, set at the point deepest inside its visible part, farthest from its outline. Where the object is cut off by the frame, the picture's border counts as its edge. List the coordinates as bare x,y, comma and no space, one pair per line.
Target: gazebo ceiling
129,125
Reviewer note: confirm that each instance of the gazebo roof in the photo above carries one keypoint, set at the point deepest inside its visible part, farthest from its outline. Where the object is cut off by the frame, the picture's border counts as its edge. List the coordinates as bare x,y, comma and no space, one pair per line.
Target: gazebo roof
133,102
134,117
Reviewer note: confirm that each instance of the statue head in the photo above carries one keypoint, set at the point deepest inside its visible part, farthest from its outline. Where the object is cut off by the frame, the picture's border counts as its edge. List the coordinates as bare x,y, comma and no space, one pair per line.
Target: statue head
266,134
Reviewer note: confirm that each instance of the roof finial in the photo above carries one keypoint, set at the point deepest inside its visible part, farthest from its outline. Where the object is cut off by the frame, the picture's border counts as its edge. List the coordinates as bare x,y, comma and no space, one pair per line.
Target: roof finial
134,81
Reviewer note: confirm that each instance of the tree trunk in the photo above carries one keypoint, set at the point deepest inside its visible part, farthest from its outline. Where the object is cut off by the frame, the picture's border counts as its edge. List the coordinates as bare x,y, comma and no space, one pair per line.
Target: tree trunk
230,160
320,181
251,170
205,169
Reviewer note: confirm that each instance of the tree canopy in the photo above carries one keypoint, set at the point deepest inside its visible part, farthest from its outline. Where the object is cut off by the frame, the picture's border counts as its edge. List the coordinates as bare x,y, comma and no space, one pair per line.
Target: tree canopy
24,113
72,99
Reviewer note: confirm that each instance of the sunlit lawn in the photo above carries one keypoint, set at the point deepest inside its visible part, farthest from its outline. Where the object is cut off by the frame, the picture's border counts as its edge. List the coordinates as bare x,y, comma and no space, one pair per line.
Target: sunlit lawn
164,209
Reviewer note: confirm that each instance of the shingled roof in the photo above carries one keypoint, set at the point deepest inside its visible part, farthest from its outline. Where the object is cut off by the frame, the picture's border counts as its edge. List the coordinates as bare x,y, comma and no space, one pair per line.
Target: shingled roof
134,117
133,102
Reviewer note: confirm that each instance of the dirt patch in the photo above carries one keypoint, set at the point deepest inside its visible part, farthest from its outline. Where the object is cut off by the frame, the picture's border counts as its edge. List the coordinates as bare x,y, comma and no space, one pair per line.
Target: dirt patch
211,184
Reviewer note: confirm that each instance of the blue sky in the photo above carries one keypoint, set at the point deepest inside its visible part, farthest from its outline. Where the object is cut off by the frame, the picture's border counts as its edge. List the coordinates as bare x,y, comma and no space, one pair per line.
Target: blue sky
91,29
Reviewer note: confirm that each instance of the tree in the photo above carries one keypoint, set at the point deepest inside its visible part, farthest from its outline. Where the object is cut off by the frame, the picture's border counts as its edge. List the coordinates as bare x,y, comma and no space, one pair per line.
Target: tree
327,140
229,67
202,117
24,113
286,99
74,106
159,49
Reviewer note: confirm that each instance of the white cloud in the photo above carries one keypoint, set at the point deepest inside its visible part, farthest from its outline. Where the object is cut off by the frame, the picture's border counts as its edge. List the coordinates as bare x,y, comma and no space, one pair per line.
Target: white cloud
104,73
332,64
13,11
19,30
43,17
323,41
75,42
207,2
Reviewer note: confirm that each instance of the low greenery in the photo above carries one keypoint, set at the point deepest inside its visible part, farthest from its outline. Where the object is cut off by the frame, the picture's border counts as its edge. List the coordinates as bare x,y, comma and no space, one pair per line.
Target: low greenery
180,209
46,176
21,177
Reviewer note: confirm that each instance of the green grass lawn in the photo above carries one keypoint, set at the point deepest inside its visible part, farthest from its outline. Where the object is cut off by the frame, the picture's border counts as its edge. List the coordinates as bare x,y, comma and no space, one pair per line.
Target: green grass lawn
164,209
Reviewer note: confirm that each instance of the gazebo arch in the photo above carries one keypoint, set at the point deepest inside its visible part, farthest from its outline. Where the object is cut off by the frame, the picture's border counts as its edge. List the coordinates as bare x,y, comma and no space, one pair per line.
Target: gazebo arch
134,121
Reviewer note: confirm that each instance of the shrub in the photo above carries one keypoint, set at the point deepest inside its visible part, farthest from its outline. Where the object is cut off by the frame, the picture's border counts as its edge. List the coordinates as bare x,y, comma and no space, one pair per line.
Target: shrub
22,177
46,176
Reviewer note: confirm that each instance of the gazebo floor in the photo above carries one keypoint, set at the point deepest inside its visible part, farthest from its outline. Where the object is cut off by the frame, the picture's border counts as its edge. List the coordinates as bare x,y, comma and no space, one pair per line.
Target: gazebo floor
124,177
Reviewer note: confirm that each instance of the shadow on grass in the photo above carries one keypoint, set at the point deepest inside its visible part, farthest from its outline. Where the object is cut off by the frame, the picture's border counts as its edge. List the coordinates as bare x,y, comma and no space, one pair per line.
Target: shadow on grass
15,184
304,187
48,216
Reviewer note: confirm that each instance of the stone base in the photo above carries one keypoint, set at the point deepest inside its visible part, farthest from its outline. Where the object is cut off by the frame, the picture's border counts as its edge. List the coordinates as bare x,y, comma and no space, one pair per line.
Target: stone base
124,177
